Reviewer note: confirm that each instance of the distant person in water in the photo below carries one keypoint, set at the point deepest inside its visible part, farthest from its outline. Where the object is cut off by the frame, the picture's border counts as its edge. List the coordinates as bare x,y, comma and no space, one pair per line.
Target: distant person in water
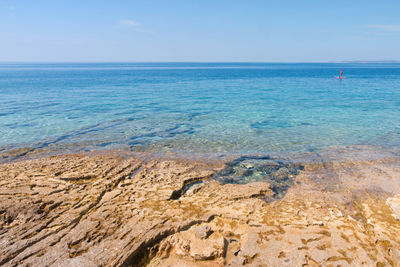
341,73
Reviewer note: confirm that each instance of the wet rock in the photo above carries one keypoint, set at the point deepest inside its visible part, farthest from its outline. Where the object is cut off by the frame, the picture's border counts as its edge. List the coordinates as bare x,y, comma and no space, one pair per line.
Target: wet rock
250,169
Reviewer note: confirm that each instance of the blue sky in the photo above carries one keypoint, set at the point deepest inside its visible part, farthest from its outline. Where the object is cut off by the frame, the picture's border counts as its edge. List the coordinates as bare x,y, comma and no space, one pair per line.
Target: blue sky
202,30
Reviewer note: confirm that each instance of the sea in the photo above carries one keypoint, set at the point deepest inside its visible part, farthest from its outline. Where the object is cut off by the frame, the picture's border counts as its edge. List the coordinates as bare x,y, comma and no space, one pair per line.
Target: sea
199,108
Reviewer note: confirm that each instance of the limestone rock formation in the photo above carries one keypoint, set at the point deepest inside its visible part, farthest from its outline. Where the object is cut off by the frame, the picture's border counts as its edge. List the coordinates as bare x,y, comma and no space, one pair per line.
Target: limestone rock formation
394,204
117,210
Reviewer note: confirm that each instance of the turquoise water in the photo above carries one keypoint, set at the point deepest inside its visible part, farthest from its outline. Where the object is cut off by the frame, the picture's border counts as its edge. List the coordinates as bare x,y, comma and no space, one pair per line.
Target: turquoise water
199,107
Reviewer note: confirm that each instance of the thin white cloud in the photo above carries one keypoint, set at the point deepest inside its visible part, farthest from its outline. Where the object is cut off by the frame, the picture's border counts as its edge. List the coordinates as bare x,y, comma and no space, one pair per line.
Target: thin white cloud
385,27
130,23
136,26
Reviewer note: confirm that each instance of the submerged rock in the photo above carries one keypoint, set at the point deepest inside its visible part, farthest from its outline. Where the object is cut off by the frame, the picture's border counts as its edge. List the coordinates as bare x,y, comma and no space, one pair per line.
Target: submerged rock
249,169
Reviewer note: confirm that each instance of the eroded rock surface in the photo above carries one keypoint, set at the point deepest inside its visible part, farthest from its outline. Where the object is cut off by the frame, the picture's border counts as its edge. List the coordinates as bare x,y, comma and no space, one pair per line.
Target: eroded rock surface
114,210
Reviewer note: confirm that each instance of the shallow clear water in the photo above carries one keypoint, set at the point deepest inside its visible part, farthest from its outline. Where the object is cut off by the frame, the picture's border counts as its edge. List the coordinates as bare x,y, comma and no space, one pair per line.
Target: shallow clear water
200,107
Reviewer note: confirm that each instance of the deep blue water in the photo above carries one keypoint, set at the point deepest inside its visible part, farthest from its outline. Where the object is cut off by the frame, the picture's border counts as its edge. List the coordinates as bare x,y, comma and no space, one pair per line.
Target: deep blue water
200,107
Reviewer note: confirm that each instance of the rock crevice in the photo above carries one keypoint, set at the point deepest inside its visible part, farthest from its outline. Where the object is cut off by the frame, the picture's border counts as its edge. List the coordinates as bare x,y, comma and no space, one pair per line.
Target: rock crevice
109,210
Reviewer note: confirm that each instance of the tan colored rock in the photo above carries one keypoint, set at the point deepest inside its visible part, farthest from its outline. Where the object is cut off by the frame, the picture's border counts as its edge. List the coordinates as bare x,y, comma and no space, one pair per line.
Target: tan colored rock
116,210
250,190
208,249
394,203
203,231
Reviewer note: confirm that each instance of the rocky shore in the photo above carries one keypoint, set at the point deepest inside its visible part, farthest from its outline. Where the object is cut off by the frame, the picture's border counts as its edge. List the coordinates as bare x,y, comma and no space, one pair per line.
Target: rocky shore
112,209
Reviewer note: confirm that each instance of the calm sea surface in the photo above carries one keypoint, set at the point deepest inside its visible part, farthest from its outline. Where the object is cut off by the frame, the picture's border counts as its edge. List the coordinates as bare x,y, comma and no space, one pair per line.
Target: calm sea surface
200,107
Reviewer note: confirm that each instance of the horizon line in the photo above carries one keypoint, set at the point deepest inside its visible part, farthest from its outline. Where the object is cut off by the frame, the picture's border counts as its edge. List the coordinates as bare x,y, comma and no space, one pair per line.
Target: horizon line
241,62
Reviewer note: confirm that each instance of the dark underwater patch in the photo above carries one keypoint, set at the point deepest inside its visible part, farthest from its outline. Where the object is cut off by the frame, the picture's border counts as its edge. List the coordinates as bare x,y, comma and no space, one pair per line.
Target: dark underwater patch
276,124
270,124
280,175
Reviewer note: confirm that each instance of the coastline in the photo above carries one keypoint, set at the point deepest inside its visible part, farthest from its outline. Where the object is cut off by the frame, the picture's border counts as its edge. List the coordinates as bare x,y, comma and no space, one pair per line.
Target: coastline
205,134
130,209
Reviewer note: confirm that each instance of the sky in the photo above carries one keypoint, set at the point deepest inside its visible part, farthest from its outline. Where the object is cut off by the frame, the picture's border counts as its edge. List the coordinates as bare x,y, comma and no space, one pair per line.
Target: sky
199,30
